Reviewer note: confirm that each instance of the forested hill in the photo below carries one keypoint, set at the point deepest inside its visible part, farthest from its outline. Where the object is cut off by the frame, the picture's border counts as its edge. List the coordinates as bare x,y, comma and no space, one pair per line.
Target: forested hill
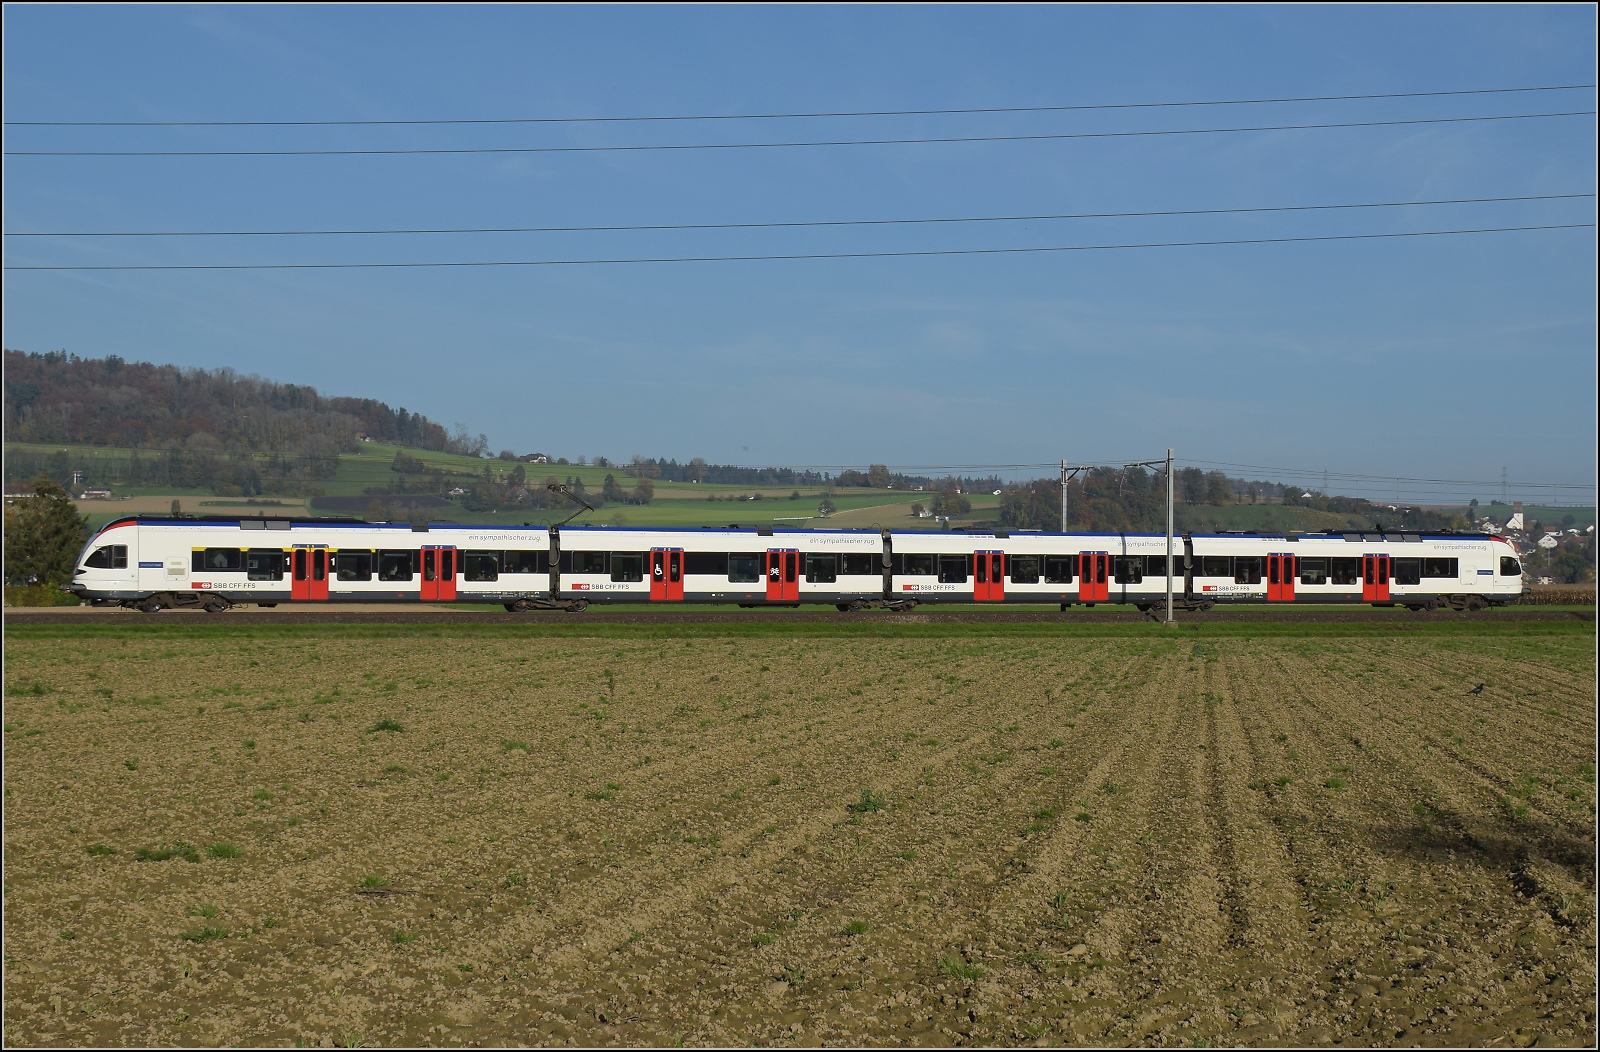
59,397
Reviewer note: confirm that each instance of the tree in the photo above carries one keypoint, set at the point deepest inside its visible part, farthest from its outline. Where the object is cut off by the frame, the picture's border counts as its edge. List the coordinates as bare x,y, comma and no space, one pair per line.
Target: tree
644,491
825,508
1218,491
44,534
375,510
878,476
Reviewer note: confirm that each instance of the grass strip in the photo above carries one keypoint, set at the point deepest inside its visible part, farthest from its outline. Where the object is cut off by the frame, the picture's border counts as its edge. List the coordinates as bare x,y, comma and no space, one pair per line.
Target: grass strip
864,629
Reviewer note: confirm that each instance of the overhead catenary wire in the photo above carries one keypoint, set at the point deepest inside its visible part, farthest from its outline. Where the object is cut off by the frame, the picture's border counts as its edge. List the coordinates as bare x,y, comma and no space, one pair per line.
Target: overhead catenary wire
807,255
798,223
651,147
796,115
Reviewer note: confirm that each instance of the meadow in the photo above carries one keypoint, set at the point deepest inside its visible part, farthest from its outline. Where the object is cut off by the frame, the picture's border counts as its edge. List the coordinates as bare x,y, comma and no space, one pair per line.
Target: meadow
412,835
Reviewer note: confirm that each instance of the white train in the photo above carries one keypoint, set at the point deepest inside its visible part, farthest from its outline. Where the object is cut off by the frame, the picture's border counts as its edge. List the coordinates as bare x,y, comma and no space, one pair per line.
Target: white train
151,563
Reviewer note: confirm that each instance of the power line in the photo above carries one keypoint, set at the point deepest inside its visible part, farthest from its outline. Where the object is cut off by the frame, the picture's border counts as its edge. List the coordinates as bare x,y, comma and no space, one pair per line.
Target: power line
809,255
1358,477
786,145
786,116
789,225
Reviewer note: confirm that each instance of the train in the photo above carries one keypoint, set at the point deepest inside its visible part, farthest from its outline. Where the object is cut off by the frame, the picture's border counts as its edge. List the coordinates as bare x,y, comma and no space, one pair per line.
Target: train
153,563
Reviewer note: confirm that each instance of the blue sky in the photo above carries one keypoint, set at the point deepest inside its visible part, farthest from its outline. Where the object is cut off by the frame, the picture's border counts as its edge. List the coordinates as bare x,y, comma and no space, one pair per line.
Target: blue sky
1429,357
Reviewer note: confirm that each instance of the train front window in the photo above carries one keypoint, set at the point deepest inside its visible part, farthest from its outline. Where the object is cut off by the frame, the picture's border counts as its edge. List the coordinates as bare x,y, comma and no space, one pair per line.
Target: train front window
263,564
109,557
1509,567
481,566
1314,571
744,568
1024,569
396,566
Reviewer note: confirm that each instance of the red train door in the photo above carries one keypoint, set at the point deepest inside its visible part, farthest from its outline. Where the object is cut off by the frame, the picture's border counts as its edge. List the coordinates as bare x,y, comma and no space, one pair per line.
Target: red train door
666,574
988,577
308,574
783,575
438,574
1094,582
1280,578
1375,578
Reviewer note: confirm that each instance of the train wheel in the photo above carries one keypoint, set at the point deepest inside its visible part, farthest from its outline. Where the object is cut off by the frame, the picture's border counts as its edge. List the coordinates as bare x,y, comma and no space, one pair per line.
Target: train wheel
577,608
215,606
1474,603
151,606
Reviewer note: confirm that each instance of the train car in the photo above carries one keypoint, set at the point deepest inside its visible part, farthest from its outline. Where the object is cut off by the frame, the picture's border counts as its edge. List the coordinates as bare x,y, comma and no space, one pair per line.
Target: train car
155,563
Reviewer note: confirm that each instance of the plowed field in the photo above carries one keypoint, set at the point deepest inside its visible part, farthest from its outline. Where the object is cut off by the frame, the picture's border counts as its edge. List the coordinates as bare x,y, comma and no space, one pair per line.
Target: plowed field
438,840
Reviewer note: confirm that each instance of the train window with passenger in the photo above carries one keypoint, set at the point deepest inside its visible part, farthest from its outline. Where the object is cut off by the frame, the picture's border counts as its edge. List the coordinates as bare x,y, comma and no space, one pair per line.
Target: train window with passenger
1407,571
918,565
480,566
109,557
1129,569
396,566
1060,569
857,564
1247,570
1024,569
1344,570
522,561
710,563
1439,567
588,562
349,565
744,567
213,560
1509,567
627,566
1314,571
823,568
953,569
1156,565
1214,566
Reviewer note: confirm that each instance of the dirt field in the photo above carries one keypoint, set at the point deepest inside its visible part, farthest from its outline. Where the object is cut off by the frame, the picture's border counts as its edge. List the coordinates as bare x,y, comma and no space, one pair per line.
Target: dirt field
446,839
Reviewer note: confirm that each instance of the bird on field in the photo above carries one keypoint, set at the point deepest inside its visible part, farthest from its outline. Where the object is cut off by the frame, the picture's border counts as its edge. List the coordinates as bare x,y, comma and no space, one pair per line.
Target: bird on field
1476,690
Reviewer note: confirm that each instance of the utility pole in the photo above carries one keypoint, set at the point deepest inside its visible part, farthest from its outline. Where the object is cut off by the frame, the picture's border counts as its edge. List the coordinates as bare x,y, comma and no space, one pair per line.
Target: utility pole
1170,618
1063,496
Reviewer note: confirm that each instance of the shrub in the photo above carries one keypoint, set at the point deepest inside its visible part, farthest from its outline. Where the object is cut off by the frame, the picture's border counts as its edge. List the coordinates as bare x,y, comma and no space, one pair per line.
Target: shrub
871,800
386,725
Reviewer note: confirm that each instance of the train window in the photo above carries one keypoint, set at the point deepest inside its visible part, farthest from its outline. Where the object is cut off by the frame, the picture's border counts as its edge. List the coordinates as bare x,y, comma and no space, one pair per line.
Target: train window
1156,565
263,564
1344,571
1247,570
1509,567
1024,569
1214,566
109,557
857,564
481,566
1407,571
1060,569
712,563
918,565
627,566
1129,569
953,568
588,562
822,569
1313,571
1439,567
518,561
212,560
744,567
396,566
347,566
